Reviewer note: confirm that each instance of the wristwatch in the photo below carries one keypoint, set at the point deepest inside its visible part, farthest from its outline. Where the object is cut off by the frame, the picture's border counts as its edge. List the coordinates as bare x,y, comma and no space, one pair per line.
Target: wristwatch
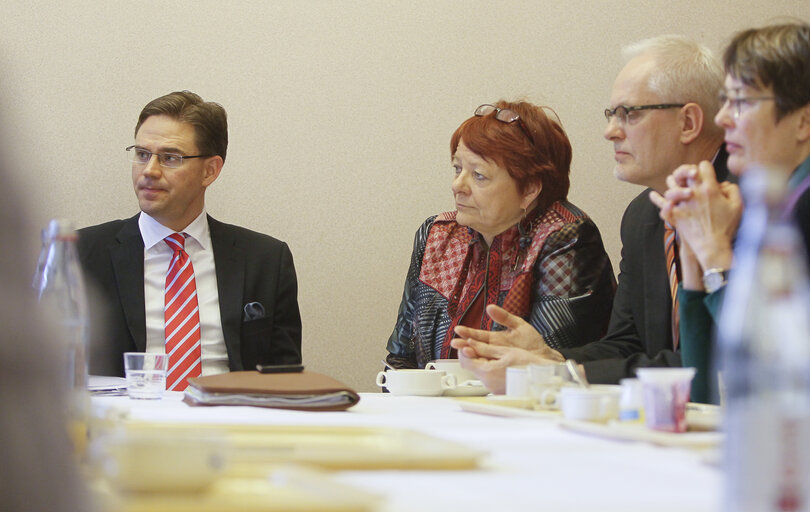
714,279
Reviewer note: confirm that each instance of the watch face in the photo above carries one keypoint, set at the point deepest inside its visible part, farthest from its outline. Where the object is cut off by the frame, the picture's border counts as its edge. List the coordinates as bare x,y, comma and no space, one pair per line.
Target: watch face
712,281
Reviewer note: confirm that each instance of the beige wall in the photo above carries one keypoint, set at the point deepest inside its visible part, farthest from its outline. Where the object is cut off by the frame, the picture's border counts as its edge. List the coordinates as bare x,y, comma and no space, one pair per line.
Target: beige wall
340,115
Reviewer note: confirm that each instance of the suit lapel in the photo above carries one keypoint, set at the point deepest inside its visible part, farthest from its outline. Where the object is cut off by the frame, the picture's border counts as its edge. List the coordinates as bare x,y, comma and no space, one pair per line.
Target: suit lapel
229,260
127,262
656,291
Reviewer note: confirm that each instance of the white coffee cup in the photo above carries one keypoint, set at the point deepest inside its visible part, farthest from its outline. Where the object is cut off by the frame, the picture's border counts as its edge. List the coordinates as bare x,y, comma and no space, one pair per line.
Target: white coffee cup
517,381
416,382
452,367
544,384
539,373
598,403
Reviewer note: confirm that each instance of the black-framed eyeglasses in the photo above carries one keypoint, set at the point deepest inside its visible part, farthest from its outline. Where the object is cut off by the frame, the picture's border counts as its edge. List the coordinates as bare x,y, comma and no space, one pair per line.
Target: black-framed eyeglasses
624,112
504,115
737,103
142,156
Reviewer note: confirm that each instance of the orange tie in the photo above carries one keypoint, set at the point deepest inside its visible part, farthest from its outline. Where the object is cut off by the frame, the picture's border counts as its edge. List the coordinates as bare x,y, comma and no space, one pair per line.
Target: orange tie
671,248
182,317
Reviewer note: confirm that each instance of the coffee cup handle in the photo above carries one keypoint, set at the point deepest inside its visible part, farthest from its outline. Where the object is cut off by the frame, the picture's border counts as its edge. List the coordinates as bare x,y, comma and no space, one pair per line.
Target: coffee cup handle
449,382
553,394
381,380
430,366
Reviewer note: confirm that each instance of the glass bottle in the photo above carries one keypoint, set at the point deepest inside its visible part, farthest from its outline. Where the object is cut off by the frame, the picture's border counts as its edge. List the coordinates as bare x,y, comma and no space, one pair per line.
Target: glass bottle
43,256
764,345
61,294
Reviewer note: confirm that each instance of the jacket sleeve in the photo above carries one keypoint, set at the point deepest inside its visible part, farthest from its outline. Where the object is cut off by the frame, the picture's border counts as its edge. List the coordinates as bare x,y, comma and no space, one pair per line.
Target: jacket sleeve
574,286
286,336
402,342
633,339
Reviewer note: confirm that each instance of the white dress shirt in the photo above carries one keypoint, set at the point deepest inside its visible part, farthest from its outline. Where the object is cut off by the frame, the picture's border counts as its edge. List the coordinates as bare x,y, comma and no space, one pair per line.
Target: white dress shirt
156,258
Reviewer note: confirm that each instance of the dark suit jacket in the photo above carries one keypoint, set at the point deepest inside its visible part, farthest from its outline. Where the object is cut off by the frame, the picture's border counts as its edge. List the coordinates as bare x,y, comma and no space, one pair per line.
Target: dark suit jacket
250,267
640,329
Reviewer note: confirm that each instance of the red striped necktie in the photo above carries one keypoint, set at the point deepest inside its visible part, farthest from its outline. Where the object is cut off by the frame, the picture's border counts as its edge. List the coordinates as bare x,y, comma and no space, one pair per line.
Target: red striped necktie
671,248
182,317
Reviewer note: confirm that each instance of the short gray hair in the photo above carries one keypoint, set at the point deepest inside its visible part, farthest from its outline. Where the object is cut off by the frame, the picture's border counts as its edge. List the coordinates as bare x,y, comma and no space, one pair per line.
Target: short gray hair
685,71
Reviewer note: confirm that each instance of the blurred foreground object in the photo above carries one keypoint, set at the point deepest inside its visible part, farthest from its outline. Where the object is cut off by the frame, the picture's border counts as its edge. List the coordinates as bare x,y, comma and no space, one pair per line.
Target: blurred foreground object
764,340
40,471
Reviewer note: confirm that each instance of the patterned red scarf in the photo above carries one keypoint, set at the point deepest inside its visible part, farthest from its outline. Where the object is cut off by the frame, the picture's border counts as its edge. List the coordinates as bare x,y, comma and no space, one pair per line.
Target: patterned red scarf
455,264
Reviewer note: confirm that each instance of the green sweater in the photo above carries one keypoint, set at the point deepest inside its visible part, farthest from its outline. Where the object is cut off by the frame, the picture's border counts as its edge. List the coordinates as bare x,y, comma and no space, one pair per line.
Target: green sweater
698,317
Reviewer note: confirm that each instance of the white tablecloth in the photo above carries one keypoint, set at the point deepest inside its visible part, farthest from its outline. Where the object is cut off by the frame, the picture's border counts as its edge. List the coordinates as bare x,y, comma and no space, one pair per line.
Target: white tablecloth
531,464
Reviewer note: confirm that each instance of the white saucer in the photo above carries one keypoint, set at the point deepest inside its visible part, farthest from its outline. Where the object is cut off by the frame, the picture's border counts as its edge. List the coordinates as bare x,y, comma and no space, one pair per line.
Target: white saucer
468,388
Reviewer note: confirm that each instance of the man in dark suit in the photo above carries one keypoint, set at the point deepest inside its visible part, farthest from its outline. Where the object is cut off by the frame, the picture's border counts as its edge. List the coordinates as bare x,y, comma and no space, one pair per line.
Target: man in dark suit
239,307
662,105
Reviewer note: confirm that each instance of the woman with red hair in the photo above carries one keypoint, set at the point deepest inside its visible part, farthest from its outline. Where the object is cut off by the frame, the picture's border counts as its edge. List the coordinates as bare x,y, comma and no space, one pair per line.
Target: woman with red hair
513,240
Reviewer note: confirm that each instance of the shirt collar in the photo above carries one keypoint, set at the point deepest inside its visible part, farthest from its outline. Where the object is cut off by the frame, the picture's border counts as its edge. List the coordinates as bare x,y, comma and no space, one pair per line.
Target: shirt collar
153,232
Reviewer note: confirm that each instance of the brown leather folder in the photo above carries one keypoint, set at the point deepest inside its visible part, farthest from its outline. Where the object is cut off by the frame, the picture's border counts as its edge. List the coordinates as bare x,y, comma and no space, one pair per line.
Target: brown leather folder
305,391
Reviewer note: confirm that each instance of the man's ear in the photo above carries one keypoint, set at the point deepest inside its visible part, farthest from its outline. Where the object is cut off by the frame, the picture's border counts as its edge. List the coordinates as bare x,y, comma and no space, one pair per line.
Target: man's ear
212,168
691,118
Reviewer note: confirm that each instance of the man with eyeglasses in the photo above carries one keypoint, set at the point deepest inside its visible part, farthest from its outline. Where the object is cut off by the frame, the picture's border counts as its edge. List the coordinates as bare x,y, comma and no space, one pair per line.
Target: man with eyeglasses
662,105
214,296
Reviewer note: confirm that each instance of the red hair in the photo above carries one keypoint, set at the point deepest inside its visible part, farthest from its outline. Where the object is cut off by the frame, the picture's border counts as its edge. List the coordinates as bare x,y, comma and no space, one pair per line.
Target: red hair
545,161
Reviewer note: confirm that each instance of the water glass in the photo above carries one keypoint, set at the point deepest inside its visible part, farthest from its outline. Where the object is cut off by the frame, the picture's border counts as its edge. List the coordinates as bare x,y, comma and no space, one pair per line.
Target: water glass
146,374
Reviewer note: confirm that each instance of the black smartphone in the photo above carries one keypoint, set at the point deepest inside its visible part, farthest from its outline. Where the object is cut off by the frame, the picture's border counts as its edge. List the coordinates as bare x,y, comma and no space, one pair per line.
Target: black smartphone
280,368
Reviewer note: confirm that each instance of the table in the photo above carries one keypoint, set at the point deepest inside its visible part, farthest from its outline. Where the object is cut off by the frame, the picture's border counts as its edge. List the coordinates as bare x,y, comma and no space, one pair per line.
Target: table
531,464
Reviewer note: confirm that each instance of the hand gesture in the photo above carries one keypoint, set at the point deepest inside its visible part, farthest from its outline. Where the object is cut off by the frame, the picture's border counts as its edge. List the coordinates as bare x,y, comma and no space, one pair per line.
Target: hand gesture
705,213
518,333
489,362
